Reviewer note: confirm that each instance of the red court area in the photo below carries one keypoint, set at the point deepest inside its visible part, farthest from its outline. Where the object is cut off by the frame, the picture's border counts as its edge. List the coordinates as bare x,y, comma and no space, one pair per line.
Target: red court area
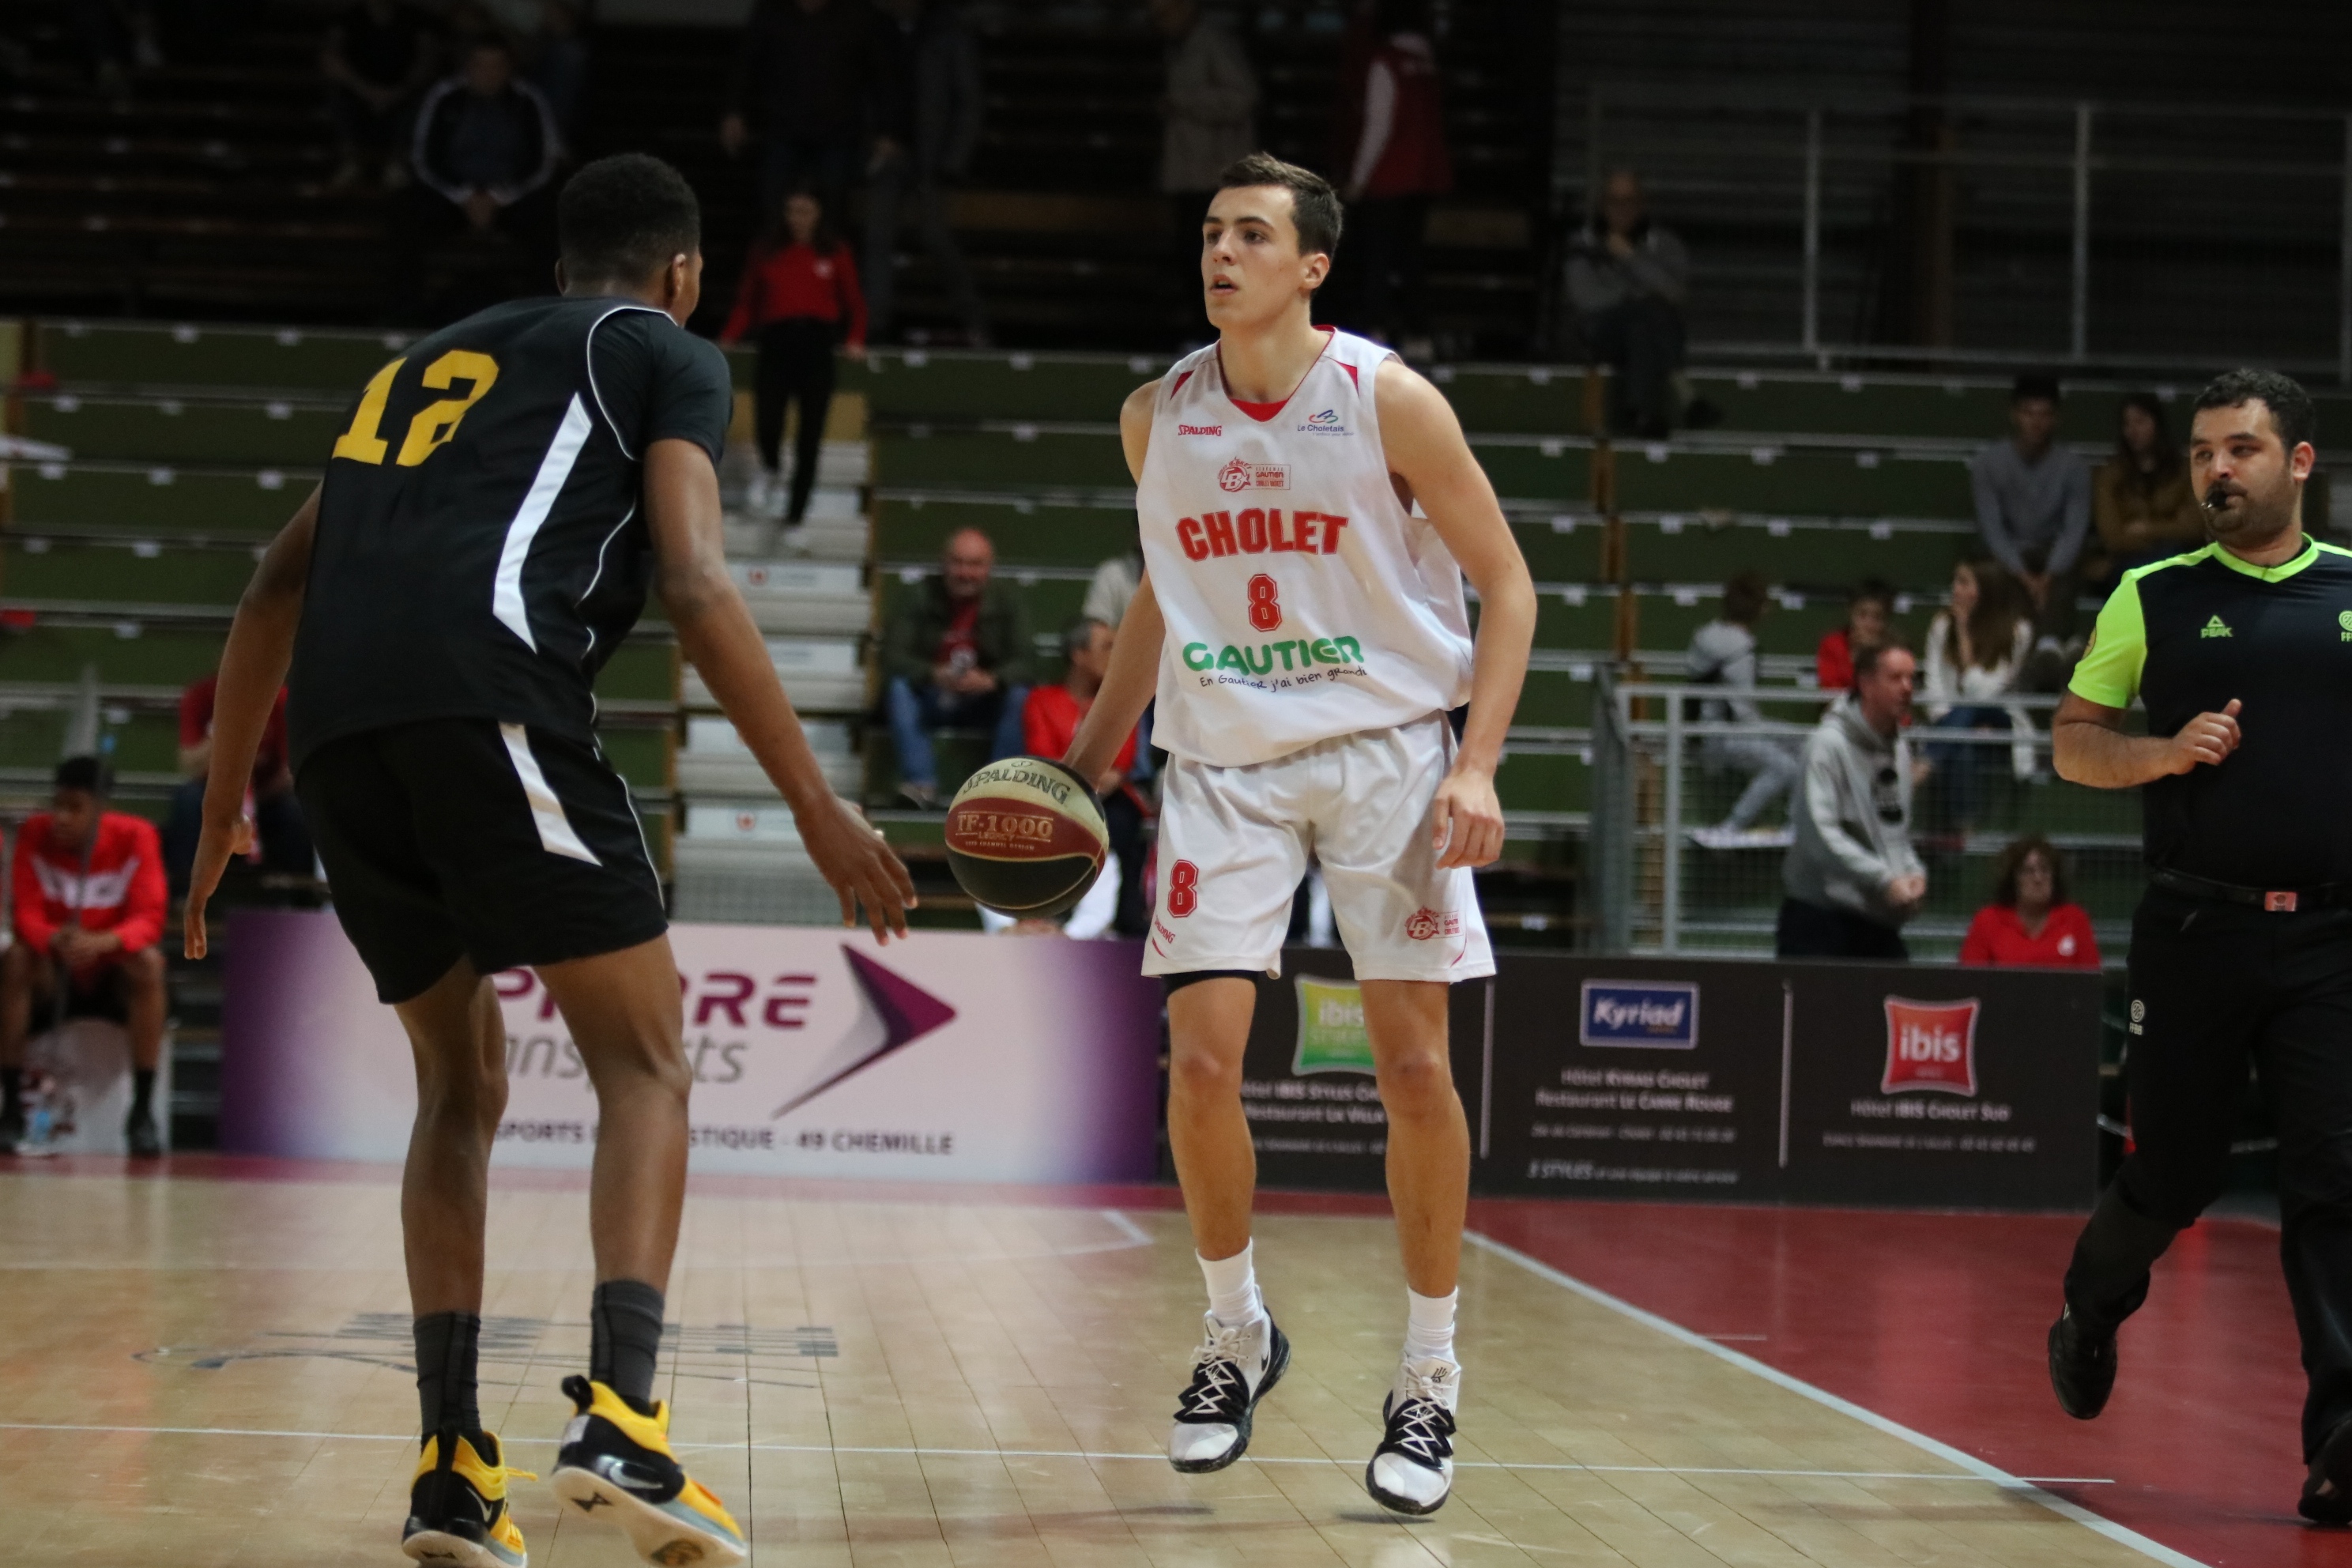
1936,1320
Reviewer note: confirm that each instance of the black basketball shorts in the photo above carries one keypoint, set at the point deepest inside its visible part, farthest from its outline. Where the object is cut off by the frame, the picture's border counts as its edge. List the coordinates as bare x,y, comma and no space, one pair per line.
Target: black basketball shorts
452,838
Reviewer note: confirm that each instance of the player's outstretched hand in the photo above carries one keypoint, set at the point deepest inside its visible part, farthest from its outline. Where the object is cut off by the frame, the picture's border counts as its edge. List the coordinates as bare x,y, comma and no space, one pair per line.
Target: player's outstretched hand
2209,738
855,861
1466,819
213,852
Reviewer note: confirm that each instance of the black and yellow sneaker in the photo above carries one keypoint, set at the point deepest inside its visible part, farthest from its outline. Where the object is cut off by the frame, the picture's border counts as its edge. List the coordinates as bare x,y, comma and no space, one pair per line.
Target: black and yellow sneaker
458,1505
615,1464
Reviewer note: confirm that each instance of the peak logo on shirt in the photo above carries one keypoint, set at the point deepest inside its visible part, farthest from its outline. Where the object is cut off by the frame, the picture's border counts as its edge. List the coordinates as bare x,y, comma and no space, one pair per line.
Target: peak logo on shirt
2214,629
1324,423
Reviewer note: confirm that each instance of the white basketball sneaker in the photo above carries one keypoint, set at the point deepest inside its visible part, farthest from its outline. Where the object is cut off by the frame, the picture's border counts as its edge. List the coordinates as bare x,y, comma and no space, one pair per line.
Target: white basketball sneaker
1231,1371
1413,1469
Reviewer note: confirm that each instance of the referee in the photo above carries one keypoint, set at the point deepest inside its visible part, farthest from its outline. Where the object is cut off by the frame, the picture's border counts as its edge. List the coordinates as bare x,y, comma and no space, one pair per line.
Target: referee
2241,949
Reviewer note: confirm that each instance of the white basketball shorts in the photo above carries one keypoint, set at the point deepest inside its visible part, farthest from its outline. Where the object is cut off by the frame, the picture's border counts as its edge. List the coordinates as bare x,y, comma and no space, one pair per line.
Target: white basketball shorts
1234,845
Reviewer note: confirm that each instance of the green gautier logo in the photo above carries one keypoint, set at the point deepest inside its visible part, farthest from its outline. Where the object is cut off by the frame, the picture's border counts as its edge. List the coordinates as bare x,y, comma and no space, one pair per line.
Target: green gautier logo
1301,653
2214,629
1331,1036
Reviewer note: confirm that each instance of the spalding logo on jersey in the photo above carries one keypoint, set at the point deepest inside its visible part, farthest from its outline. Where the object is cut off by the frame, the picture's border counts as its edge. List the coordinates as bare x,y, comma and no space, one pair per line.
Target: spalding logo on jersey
1238,475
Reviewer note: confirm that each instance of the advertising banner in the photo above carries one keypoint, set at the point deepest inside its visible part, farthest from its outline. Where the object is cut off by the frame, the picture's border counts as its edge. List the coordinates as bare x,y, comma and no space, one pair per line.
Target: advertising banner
1859,1083
948,1055
1307,1085
1966,1087
1631,1077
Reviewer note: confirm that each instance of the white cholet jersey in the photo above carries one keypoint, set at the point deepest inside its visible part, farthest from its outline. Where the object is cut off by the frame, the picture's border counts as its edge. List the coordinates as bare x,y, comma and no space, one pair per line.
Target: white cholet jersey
1303,601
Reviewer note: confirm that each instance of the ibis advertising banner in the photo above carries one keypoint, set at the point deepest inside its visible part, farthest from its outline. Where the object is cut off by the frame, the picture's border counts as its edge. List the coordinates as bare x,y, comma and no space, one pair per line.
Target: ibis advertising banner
1707,1081
1856,1083
946,1056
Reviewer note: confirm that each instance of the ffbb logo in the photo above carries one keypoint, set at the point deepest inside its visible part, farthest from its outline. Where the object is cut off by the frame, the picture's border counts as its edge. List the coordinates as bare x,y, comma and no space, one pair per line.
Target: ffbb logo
1930,1045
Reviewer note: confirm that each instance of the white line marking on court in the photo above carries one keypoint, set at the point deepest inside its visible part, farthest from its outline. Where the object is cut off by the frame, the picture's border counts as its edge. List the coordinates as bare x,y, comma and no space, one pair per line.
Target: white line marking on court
2120,1534
1087,1454
1136,1234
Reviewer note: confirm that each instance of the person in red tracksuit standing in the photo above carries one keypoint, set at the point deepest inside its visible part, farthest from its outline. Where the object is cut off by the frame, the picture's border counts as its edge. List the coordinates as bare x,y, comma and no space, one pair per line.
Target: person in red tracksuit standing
91,905
1399,163
799,292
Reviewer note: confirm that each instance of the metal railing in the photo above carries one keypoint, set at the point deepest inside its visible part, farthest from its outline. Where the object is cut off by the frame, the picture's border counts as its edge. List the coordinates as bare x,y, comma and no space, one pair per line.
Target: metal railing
1663,882
2217,231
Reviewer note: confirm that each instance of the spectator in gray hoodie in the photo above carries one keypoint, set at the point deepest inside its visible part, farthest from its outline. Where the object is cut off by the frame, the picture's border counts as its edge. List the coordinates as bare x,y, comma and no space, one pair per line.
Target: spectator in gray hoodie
1723,653
1629,284
2033,508
1851,877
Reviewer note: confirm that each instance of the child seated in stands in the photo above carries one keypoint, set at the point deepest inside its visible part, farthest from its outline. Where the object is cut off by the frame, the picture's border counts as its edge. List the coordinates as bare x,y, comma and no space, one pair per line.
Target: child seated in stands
1869,611
1723,653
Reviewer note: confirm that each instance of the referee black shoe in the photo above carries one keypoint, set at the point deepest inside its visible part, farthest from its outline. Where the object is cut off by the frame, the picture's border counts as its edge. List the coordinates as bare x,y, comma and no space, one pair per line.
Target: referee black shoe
2328,1490
2081,1366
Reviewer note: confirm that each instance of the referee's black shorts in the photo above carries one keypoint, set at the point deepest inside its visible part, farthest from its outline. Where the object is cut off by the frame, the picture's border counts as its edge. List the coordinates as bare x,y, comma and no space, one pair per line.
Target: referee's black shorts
451,838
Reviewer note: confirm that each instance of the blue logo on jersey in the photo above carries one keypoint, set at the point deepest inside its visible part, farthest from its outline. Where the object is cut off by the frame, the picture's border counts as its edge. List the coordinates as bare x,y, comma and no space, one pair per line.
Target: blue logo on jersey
1324,423
1328,416
1659,1014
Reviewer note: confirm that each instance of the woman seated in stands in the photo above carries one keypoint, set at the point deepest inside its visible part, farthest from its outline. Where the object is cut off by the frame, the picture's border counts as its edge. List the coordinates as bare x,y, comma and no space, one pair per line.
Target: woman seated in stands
1975,651
2029,922
2141,501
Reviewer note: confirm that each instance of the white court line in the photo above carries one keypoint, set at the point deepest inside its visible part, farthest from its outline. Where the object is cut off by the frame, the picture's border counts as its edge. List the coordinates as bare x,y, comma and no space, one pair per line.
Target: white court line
1087,1454
1944,1451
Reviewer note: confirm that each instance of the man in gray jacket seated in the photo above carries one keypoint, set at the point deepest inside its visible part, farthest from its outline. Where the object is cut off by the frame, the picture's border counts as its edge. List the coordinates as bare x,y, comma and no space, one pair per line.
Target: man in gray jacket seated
1851,877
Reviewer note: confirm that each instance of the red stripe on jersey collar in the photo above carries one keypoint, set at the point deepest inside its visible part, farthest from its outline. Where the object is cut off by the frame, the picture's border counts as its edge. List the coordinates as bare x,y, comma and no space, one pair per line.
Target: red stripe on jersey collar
1262,411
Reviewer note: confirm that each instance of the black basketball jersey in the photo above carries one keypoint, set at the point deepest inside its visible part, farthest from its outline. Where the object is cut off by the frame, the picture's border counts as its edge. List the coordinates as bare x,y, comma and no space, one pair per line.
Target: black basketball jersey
481,548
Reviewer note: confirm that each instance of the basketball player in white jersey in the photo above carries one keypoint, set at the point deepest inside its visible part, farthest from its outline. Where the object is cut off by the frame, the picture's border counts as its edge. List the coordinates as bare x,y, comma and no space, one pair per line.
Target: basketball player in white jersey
1308,507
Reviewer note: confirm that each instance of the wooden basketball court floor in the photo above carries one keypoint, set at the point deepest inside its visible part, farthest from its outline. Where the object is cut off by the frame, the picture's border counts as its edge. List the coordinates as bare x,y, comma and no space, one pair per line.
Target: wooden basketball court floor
210,1367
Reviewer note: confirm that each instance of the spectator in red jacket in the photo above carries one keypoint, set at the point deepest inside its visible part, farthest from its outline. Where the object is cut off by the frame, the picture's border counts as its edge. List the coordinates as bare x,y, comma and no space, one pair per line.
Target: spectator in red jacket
91,905
2029,922
1869,611
798,296
1050,721
283,843
1399,163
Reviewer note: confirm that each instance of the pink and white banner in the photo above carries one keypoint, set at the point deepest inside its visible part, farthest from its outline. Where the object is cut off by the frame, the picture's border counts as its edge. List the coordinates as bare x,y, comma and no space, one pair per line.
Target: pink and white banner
947,1057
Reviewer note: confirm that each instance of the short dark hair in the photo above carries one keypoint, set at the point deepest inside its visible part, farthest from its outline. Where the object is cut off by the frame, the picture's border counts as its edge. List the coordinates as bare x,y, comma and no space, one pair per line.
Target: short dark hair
622,218
89,774
2012,860
1079,633
1314,209
2034,386
2291,411
1866,657
1744,596
1873,588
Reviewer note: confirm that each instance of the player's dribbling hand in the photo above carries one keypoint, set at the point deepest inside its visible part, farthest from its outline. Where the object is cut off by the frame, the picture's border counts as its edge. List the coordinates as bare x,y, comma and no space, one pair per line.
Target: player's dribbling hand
1466,819
2209,738
213,852
859,867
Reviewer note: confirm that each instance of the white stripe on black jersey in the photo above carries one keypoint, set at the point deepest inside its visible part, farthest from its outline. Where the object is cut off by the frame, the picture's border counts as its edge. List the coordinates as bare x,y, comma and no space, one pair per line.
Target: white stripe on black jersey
487,565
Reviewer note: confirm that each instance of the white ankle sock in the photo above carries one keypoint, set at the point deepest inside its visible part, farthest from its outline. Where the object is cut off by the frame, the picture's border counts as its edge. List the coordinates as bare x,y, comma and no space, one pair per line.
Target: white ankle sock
1233,1287
1429,1325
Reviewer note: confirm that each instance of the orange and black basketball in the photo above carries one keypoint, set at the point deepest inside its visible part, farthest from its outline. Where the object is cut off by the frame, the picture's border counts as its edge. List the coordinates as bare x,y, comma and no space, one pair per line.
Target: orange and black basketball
1025,837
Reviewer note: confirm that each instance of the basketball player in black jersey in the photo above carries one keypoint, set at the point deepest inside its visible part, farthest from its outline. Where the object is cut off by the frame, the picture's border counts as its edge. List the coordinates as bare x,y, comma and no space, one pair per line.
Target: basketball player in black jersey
505,494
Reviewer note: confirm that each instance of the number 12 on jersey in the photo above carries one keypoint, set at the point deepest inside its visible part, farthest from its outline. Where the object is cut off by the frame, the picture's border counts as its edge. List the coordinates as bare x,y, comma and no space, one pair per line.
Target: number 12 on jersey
434,425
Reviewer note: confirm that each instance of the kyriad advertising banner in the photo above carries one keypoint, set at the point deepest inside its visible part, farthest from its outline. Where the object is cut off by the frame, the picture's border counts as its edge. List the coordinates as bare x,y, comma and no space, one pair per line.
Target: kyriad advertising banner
1818,1082
948,1055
